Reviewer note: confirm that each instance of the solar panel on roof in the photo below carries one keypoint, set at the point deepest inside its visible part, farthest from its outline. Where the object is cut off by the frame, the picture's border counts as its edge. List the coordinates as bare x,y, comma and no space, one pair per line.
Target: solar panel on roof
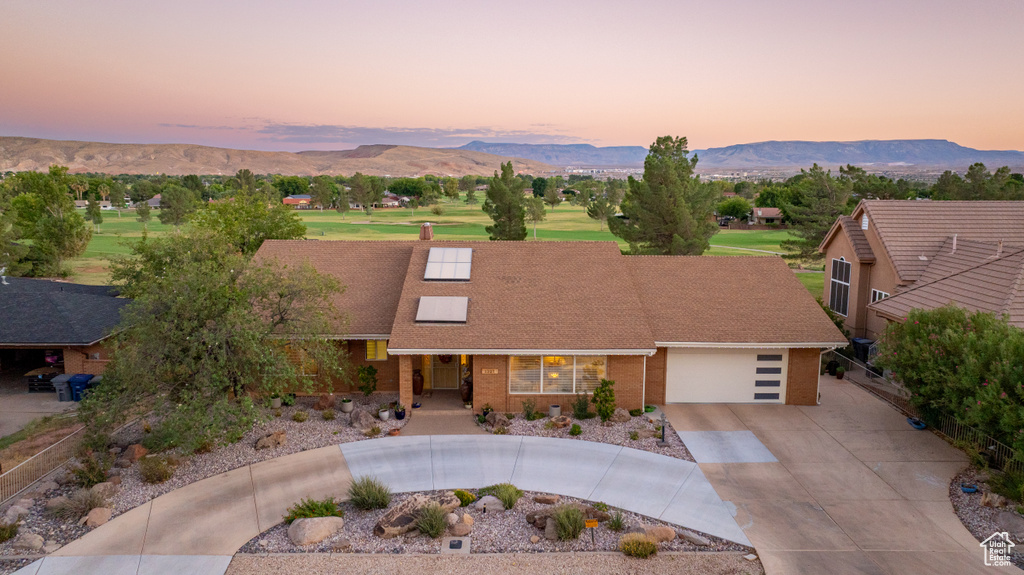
449,264
442,309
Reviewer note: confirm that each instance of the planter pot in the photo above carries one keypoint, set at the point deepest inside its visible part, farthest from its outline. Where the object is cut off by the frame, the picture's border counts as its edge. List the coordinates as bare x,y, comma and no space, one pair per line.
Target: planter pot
400,415
384,414
394,432
968,488
916,423
649,409
466,391
486,411
347,406
840,374
554,411
417,382
275,402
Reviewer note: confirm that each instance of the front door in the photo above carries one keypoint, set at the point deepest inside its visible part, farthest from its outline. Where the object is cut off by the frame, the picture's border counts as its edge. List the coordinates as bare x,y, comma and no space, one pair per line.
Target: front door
445,371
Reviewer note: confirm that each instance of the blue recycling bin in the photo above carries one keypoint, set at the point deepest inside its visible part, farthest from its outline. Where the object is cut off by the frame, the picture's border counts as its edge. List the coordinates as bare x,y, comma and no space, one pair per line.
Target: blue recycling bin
79,383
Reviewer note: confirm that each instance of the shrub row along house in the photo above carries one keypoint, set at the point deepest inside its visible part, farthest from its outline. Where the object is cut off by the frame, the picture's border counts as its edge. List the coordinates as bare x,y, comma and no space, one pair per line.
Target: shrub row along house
891,256
547,320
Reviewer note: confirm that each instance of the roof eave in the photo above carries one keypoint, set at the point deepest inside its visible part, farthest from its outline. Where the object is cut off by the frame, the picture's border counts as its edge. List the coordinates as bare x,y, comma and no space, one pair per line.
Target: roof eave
752,345
486,351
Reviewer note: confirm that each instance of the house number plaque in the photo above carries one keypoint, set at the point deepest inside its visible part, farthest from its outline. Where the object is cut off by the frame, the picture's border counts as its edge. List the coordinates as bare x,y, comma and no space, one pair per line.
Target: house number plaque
489,371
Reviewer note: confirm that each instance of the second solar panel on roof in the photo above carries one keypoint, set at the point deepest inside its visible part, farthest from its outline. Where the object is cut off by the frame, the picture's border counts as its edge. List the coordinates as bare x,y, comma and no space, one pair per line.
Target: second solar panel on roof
449,264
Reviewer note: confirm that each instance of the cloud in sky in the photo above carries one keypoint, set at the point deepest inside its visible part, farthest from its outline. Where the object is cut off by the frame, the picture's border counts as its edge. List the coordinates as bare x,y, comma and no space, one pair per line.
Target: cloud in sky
427,137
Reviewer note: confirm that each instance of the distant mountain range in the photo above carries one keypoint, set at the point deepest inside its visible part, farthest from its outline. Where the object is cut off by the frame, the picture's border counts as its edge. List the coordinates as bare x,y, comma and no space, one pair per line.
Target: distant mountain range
787,154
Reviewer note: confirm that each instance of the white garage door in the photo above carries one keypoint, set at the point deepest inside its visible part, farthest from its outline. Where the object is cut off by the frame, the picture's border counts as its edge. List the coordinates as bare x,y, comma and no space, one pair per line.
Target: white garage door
726,376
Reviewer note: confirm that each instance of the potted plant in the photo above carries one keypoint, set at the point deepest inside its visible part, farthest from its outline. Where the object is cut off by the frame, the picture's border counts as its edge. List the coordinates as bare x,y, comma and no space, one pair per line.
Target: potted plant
486,409
840,372
399,412
384,413
347,405
275,400
831,367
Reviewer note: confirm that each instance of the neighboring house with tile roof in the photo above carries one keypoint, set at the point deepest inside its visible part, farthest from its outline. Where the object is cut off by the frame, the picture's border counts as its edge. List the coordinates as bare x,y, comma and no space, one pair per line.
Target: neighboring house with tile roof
300,201
545,320
921,254
766,216
42,315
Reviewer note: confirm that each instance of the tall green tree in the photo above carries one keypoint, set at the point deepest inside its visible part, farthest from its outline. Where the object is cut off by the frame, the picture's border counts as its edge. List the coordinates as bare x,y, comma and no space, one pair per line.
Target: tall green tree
504,204
176,204
323,192
668,212
46,214
143,215
117,194
248,221
341,202
451,189
551,197
600,209
94,214
471,196
244,180
822,199
194,183
366,191
540,185
11,251
735,206
535,212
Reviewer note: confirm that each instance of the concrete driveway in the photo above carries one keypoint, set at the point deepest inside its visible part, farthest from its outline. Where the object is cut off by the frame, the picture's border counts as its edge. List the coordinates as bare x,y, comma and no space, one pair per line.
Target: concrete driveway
18,407
844,487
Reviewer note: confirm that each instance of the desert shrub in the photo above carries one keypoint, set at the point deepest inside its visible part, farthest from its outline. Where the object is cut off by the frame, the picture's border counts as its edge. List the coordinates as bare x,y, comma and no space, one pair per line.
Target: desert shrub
500,430
8,530
549,425
568,522
636,412
581,406
604,399
288,399
367,375
616,522
507,493
91,469
277,413
372,432
530,409
300,416
481,419
637,545
156,468
327,414
313,508
575,430
432,520
1009,484
465,497
601,506
634,435
77,505
369,493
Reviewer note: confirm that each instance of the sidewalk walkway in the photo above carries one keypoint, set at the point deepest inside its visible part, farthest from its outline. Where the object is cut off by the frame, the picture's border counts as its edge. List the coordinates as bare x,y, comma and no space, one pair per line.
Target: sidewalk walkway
844,487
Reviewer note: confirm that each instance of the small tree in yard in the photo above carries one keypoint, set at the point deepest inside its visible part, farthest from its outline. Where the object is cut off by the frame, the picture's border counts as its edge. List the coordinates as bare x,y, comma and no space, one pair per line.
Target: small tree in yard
142,215
535,212
736,207
604,399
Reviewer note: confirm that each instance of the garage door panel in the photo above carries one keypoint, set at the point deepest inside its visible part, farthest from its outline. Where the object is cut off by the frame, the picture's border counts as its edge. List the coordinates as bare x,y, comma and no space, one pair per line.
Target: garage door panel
725,376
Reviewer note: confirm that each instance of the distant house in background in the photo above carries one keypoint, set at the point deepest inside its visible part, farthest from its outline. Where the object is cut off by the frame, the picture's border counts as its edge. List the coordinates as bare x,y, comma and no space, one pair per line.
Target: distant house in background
104,204
765,216
390,201
891,256
300,201
154,202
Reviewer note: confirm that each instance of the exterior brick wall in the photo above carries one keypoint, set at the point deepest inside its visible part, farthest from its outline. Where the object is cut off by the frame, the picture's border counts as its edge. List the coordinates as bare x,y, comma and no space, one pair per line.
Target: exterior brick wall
802,378
492,388
76,359
657,368
387,371
405,380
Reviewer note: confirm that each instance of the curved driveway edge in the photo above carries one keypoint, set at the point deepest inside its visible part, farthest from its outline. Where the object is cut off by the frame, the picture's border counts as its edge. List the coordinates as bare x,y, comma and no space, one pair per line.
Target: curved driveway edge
658,486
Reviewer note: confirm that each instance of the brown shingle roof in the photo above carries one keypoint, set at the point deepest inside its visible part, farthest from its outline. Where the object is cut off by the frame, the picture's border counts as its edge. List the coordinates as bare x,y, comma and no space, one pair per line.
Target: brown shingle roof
911,229
370,272
972,277
861,247
728,300
528,296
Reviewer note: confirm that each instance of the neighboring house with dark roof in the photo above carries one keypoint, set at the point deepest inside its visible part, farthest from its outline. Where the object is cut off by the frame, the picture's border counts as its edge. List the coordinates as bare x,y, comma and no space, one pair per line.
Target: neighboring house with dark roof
891,256
39,315
545,320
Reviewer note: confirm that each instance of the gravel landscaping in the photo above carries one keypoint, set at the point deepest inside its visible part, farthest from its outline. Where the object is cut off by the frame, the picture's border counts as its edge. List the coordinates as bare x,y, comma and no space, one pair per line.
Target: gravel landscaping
491,532
983,521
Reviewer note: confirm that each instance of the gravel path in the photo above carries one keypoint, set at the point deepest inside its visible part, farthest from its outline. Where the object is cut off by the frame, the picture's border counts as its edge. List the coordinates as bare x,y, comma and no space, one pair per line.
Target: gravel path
476,564
979,520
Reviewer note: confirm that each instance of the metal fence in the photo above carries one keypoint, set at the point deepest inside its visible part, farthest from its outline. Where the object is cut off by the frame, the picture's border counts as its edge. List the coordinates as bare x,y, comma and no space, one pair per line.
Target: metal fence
31,470
997,454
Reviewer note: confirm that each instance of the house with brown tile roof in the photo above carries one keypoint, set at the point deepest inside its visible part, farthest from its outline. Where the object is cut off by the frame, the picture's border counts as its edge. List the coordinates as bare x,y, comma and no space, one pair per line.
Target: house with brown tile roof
895,248
547,320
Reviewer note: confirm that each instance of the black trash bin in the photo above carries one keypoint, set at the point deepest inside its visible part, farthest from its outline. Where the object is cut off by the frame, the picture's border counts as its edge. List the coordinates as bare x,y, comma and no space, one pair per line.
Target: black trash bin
861,348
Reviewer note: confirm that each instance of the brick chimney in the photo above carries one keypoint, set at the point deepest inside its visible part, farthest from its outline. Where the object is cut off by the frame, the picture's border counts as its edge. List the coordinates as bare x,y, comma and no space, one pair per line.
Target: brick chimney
426,232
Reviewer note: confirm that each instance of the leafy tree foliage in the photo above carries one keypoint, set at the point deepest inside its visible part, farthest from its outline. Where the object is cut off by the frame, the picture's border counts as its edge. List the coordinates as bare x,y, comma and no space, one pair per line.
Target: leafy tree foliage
668,212
323,192
93,213
194,183
291,185
504,204
244,180
540,186
979,184
142,214
535,212
410,187
822,200
471,196
451,189
176,204
736,207
552,197
366,191
247,222
600,209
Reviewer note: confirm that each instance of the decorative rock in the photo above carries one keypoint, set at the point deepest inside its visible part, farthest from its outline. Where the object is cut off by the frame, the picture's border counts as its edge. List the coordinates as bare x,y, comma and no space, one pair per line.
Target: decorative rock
452,519
550,531
342,545
26,503
491,502
691,537
51,546
310,530
620,416
272,441
989,499
263,543
106,490
61,477
547,499
123,463
325,402
660,533
360,419
982,477
113,472
468,519
402,518
535,539
29,541
56,502
135,452
115,451
750,557
115,480
460,530
561,421
1011,523
412,534
46,485
13,513
98,516
495,419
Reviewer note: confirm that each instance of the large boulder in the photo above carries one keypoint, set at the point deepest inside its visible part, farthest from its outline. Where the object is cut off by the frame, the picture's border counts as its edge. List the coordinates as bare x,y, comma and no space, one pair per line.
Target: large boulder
460,530
13,513
360,419
98,516
490,503
272,440
693,538
496,420
308,531
134,452
29,541
561,421
107,490
325,402
401,518
56,502
547,498
620,416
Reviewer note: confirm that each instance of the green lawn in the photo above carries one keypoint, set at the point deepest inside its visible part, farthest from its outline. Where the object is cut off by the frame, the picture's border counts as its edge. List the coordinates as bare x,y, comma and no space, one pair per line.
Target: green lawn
458,222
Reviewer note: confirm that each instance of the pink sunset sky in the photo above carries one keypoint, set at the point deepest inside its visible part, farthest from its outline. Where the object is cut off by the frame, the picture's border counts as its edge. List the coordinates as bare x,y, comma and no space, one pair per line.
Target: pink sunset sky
308,74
